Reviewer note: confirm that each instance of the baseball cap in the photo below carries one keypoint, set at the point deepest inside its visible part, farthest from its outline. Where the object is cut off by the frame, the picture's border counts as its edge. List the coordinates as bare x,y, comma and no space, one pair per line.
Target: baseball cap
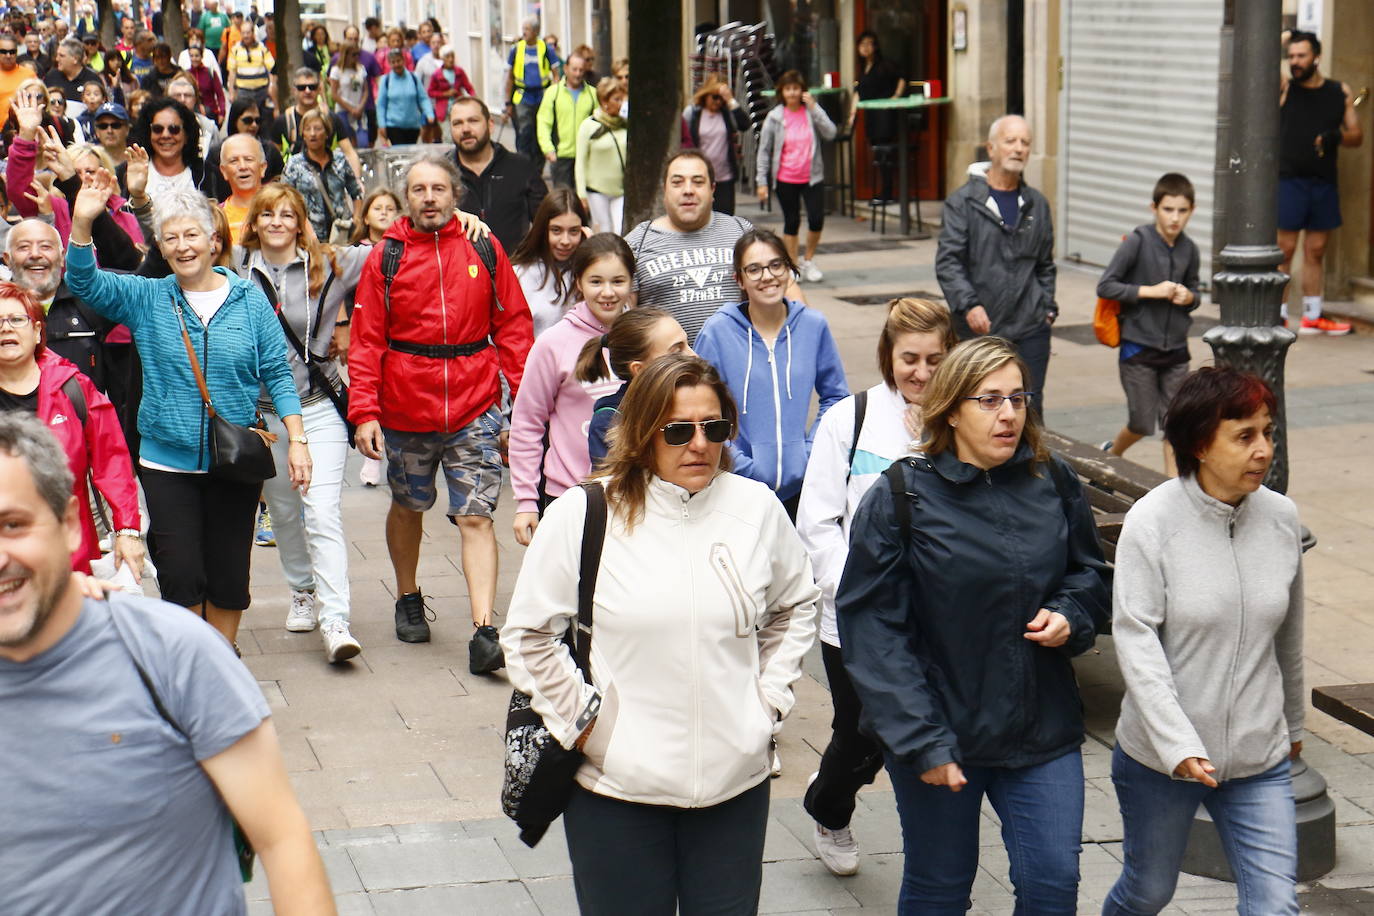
115,109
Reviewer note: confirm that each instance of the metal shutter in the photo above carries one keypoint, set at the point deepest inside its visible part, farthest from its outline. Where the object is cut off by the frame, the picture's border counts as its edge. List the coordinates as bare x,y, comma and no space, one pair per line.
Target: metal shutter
1140,100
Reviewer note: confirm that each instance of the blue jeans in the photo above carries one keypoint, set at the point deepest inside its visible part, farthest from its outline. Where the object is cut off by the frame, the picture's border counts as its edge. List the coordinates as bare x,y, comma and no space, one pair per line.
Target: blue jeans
1255,818
1041,808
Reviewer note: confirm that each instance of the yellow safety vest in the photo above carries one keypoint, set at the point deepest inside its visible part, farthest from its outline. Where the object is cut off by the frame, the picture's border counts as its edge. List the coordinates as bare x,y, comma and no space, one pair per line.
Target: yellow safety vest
518,69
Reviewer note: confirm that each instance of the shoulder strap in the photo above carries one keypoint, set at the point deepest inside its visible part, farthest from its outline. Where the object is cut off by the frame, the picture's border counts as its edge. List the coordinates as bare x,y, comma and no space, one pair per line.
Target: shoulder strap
392,250
593,537
860,408
1061,483
900,506
195,362
123,637
487,252
72,389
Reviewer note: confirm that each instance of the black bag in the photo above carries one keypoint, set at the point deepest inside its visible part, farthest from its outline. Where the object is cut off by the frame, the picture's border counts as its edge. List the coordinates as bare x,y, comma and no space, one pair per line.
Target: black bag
539,770
242,454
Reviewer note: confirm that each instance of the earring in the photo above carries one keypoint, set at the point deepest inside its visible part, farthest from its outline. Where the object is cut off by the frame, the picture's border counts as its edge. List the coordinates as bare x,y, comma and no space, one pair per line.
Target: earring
954,423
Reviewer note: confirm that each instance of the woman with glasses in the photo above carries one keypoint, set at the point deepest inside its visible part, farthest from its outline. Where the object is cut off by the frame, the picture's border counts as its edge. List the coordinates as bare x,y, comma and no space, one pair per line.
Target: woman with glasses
773,352
703,609
170,133
325,179
974,575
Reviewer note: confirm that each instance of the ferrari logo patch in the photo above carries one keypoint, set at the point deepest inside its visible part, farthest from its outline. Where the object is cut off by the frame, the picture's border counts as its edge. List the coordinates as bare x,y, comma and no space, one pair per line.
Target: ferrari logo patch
472,271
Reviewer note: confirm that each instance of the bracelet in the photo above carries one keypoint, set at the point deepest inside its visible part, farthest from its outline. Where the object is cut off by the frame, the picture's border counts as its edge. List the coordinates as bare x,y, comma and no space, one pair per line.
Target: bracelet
129,533
75,244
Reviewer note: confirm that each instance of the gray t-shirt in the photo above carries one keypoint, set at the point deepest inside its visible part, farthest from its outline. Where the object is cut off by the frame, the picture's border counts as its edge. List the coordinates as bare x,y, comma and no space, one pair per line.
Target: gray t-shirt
688,274
107,809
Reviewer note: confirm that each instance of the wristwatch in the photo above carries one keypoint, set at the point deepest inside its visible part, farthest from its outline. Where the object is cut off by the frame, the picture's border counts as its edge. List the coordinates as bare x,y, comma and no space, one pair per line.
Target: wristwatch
300,439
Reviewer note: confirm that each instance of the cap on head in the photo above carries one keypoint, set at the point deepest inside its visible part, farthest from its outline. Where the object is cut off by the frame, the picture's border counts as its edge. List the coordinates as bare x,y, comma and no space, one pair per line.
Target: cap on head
114,109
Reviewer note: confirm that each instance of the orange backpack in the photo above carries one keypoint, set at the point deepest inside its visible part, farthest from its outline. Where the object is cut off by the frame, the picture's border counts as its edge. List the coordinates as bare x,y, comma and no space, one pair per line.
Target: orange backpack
1107,322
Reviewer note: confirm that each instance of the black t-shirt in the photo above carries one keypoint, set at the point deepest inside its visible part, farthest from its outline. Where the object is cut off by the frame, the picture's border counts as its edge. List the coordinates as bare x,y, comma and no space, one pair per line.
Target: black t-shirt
880,82
25,402
71,89
1307,114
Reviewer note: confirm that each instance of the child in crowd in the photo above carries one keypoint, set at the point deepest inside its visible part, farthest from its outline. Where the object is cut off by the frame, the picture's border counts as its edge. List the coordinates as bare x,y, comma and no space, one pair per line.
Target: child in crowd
1154,275
548,428
541,260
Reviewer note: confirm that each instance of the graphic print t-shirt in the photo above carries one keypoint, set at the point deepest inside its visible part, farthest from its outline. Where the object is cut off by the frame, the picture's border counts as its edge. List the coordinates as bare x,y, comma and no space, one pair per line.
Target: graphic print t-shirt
690,275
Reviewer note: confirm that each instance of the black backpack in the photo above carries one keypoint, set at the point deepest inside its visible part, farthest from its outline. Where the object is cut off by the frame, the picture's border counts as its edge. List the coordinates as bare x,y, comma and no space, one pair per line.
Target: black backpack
393,249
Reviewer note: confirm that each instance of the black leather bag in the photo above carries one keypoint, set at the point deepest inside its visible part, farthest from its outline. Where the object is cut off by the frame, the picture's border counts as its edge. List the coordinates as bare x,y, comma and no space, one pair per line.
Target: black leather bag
242,454
539,770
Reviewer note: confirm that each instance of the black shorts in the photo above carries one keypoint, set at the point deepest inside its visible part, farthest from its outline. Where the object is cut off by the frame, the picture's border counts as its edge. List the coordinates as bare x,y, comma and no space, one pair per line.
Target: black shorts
200,535
1308,203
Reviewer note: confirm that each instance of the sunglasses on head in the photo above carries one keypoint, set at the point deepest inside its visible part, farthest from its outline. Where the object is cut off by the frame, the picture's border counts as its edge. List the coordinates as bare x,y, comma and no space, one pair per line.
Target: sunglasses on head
680,432
172,129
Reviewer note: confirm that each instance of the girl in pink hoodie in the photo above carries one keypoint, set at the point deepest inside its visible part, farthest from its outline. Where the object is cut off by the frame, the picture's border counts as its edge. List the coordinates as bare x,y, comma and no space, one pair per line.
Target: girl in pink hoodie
548,429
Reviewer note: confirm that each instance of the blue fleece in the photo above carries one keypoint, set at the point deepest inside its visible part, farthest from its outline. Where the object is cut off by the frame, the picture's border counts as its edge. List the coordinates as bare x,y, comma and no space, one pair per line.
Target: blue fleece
240,351
604,413
806,360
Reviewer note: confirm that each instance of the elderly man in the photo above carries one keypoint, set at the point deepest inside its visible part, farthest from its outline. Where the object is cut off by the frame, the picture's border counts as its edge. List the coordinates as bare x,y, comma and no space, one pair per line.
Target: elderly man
70,74
995,260
243,165
132,733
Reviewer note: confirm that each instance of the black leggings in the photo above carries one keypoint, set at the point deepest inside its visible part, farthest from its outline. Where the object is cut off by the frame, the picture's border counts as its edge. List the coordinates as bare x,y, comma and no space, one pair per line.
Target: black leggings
790,197
200,535
850,761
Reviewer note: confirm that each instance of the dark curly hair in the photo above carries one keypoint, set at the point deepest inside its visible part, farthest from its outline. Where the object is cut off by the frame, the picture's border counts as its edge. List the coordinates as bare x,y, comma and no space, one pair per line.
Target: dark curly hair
190,128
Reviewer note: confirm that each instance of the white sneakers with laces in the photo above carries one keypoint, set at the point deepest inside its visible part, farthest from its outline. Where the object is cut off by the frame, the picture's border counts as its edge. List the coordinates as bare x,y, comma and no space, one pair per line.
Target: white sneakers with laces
810,273
301,616
838,850
339,644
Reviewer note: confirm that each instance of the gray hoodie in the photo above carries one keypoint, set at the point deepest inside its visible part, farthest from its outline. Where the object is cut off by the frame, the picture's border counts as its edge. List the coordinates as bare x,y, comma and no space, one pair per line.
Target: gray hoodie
1145,259
1207,619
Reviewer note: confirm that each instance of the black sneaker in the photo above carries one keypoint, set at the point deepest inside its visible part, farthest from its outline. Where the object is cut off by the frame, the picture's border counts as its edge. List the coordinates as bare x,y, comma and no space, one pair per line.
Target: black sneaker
484,651
411,622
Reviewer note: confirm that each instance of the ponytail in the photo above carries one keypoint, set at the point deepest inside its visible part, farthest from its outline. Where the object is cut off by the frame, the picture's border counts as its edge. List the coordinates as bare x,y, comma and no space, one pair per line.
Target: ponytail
628,340
591,365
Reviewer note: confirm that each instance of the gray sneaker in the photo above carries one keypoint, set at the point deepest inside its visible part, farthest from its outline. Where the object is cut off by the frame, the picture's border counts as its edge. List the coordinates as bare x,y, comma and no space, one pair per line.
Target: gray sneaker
339,644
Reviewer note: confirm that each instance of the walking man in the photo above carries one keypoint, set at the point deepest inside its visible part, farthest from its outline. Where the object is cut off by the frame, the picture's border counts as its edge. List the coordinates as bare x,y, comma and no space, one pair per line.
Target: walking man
500,187
995,260
1316,118
132,733
561,113
449,327
531,70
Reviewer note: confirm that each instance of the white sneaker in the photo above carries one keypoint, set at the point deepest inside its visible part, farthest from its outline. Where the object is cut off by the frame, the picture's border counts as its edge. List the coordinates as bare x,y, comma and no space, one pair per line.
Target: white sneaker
301,617
774,760
838,850
371,472
339,644
810,272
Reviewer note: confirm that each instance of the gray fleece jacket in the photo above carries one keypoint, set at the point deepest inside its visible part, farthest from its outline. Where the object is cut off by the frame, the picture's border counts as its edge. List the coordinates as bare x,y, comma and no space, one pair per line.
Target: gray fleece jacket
1207,619
771,135
1145,259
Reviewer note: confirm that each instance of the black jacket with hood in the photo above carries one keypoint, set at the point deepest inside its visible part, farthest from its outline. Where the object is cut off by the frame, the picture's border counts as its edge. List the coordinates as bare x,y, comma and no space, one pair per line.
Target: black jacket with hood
1009,272
933,631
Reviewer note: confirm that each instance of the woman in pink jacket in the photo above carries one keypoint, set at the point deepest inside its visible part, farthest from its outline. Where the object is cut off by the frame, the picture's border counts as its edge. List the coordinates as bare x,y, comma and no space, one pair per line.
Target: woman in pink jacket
548,430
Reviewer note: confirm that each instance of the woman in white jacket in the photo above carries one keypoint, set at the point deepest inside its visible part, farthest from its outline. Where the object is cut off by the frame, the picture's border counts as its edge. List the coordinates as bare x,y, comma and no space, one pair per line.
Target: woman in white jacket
856,440
704,607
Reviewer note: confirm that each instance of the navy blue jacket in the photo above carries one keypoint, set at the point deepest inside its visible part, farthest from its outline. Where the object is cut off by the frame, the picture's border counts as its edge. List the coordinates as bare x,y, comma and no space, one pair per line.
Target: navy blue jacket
932,631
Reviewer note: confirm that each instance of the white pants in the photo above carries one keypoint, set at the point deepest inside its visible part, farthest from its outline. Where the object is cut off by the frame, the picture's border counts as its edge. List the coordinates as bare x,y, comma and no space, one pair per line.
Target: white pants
607,212
309,528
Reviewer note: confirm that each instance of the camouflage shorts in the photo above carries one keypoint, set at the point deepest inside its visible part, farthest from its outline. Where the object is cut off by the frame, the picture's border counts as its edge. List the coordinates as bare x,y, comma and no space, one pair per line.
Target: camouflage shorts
471,459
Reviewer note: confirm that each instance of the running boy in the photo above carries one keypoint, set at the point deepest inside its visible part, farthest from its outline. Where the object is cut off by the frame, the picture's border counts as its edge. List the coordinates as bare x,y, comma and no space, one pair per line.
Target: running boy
1154,275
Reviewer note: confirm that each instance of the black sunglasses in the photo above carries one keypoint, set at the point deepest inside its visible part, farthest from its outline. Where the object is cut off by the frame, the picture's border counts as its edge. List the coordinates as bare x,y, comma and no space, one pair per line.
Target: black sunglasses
108,125
8,51
682,431
250,119
172,129
307,87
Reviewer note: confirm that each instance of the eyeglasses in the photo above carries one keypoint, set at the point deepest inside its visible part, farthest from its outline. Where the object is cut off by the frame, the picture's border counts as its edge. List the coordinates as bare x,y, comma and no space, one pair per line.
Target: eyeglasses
249,119
18,322
777,267
682,431
1018,400
108,125
172,129
307,87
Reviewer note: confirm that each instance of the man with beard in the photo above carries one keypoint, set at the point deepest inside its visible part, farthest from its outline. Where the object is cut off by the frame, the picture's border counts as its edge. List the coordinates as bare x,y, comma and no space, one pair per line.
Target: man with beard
132,733
500,187
243,166
995,260
75,331
1316,118
425,360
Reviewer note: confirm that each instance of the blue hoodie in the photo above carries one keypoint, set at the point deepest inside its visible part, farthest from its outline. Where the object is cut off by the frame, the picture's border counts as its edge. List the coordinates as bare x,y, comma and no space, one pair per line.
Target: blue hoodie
773,389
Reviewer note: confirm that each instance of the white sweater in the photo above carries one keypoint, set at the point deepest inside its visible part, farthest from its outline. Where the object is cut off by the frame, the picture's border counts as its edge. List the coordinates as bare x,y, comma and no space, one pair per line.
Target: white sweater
701,617
828,501
545,310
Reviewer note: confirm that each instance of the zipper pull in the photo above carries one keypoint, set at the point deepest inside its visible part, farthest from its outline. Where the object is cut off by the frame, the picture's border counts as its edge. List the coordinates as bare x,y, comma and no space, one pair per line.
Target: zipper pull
1231,527
987,475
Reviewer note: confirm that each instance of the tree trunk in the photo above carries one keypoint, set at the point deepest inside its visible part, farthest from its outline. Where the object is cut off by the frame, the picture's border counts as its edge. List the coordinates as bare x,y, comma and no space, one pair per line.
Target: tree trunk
655,103
173,29
104,11
287,28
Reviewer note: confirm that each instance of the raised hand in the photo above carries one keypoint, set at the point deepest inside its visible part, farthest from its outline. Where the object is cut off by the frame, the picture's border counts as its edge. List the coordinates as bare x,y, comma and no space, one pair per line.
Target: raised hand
55,153
91,201
40,196
28,108
136,174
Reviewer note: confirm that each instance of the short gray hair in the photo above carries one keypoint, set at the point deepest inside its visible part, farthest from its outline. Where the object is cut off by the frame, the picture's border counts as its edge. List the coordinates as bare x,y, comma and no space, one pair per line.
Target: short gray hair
995,127
182,205
529,22
439,161
305,71
24,436
9,238
74,47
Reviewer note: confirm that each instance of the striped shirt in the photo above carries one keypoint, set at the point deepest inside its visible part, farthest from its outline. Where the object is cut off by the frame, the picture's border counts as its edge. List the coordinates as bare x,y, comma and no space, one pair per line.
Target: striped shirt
690,275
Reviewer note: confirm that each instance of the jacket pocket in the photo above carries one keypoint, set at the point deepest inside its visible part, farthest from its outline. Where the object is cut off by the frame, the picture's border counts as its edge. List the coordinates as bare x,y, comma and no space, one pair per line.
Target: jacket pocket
723,563
599,741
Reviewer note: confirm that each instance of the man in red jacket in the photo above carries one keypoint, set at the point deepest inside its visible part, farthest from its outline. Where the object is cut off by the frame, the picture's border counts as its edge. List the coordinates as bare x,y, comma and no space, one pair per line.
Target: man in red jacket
425,361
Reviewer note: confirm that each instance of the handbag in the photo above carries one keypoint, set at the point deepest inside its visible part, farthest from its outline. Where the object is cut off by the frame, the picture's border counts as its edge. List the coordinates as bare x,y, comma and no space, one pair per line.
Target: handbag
239,453
340,230
1107,322
539,777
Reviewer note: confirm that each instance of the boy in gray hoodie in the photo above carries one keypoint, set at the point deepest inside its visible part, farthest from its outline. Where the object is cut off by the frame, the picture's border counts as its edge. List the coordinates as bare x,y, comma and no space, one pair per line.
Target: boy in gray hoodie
1154,275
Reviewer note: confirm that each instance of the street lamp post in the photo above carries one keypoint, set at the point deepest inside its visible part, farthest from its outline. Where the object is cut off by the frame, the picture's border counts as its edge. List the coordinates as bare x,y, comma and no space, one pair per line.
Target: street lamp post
1249,288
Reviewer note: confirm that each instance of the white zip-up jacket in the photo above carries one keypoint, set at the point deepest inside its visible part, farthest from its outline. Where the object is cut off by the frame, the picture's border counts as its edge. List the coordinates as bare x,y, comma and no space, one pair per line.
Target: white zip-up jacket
701,617
832,489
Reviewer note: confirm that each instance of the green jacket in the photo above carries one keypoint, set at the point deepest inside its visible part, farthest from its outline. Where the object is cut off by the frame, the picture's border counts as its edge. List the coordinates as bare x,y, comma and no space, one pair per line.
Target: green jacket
559,118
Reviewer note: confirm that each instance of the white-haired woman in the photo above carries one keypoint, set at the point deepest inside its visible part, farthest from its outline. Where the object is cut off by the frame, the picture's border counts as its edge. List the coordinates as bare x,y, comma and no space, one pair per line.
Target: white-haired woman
200,525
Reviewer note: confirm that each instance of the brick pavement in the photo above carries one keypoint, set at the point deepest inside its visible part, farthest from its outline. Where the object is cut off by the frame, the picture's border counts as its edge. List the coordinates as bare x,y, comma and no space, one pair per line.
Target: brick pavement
396,757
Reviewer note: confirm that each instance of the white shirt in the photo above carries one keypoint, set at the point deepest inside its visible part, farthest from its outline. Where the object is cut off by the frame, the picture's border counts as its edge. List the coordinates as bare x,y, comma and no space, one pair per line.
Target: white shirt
545,309
160,184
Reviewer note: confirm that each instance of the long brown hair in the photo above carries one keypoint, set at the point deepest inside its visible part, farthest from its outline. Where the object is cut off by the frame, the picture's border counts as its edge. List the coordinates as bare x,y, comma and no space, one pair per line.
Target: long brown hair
534,247
647,404
957,377
362,232
628,340
320,257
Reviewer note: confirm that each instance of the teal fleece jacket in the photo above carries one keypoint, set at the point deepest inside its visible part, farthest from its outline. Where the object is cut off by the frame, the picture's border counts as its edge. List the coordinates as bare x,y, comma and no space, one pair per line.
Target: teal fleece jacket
242,349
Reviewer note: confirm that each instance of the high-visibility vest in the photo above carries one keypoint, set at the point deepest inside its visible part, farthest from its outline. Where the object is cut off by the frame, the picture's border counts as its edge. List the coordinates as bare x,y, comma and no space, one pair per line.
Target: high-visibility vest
518,69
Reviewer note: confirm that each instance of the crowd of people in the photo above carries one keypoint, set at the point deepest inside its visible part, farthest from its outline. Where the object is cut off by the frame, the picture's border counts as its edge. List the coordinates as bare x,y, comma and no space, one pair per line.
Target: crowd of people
199,282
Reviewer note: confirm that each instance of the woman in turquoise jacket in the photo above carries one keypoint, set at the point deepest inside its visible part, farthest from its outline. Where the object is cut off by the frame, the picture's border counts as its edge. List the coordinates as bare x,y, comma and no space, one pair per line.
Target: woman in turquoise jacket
200,529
